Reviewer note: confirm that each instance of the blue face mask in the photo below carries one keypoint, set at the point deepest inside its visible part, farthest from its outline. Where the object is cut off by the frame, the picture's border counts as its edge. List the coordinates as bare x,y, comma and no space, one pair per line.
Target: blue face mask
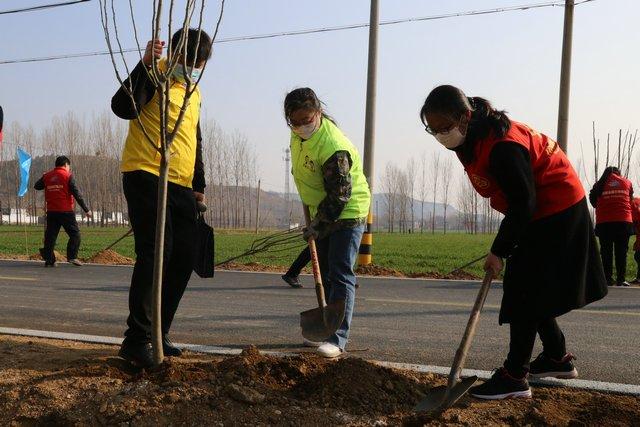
179,74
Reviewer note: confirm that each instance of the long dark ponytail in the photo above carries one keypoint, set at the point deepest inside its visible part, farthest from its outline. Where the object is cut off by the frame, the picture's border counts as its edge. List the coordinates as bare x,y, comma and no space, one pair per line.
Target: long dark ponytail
598,187
452,103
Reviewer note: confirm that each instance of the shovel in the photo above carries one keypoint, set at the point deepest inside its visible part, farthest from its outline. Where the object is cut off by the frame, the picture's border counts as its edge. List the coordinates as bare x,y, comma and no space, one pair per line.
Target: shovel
318,324
442,398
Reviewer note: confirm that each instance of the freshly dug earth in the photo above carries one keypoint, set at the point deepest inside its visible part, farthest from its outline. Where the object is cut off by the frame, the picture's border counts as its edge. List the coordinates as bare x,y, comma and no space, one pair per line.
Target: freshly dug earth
110,257
50,382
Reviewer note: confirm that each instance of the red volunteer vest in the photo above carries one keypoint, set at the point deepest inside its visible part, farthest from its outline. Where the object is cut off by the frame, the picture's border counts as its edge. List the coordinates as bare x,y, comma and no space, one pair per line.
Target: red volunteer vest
614,204
56,190
557,184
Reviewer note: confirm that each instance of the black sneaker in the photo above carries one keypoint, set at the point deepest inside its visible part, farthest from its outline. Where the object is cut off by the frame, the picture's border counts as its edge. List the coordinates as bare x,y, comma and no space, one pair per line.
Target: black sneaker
623,283
292,281
544,366
169,348
501,385
635,281
138,354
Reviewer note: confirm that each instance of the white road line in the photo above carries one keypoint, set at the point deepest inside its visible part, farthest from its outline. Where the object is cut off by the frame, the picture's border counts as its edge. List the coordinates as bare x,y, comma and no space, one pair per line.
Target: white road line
631,389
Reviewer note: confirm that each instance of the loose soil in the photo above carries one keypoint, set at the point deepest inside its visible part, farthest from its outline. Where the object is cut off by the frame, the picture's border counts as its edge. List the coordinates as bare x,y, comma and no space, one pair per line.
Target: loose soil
51,382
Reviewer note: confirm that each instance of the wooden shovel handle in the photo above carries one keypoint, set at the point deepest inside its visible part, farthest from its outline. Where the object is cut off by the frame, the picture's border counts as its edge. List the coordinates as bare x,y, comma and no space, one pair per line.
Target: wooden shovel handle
315,264
461,354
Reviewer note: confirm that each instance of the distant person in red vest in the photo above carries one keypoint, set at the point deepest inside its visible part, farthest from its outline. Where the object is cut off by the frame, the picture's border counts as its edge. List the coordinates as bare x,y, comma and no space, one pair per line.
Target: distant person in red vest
546,236
611,196
59,191
635,216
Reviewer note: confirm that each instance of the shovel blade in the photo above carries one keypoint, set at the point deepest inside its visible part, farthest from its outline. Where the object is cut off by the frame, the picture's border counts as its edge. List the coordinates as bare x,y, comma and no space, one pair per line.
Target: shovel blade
318,324
439,400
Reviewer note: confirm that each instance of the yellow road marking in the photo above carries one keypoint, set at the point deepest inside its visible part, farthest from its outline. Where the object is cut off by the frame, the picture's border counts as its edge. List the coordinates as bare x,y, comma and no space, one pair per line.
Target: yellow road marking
24,279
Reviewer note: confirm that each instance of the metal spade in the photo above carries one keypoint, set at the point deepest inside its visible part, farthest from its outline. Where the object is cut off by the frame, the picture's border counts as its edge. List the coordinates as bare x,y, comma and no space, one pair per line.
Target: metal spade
442,398
318,324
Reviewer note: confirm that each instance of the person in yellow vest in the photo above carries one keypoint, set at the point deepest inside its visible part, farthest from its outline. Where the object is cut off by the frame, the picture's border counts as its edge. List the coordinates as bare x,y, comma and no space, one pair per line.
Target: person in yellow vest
140,169
328,173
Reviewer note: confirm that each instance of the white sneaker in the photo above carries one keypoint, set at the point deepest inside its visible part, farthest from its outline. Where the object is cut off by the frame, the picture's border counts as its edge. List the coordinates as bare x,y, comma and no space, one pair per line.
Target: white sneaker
329,350
309,343
76,262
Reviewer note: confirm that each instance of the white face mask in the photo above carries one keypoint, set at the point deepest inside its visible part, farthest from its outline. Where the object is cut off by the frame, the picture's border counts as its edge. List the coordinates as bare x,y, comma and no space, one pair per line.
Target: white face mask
451,139
306,131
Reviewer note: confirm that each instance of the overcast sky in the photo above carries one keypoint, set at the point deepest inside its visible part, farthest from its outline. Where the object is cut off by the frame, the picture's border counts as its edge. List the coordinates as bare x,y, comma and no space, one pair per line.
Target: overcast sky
511,58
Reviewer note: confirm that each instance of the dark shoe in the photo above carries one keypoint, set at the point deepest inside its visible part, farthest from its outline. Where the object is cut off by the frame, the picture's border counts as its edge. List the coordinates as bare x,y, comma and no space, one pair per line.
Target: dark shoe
545,366
292,281
169,348
635,281
49,264
610,282
623,283
139,354
501,385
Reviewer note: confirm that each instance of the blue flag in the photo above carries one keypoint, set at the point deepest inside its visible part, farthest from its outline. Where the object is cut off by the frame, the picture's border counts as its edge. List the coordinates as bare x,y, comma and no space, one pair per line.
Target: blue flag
25,165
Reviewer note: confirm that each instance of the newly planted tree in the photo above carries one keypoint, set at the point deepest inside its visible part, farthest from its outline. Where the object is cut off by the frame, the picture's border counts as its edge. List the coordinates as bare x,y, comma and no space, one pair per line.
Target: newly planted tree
160,76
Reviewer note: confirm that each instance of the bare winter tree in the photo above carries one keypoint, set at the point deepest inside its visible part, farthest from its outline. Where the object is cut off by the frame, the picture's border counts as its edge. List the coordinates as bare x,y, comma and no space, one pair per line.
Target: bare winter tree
411,189
160,79
435,175
447,173
423,188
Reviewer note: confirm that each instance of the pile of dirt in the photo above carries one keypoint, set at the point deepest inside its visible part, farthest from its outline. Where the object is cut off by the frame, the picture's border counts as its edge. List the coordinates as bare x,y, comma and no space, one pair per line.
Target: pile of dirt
68,383
110,257
58,255
251,266
377,270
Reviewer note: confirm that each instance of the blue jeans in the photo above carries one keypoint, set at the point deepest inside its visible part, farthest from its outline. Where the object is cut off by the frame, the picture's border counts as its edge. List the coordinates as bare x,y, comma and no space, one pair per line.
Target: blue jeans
337,255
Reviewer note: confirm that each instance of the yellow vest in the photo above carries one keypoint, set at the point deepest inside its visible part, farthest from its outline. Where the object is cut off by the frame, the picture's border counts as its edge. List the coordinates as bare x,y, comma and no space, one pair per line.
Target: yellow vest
139,154
307,159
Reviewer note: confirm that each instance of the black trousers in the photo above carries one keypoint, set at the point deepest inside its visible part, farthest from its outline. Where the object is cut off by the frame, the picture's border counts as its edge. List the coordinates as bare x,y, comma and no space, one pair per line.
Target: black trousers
140,190
523,337
300,262
608,246
66,220
636,257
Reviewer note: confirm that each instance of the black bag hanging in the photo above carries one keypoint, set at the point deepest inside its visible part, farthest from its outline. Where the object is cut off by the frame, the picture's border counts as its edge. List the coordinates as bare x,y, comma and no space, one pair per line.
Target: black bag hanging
204,260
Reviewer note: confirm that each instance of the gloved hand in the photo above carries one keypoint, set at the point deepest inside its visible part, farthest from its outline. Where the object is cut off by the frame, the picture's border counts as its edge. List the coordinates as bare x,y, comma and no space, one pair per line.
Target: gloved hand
311,231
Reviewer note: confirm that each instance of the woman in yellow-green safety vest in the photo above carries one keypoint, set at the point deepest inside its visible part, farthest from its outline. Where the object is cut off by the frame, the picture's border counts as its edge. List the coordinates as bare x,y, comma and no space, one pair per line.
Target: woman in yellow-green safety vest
328,173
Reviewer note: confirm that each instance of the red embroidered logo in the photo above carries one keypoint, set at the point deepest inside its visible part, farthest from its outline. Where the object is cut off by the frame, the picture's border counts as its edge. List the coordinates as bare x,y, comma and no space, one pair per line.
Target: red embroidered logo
480,182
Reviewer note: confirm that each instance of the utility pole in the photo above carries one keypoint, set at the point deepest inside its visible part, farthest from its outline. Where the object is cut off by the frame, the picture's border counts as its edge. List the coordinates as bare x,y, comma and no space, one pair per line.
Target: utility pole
364,256
565,75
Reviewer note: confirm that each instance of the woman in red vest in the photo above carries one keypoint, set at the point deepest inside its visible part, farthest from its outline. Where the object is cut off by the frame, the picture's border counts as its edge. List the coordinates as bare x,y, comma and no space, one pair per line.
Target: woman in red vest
546,236
611,196
635,215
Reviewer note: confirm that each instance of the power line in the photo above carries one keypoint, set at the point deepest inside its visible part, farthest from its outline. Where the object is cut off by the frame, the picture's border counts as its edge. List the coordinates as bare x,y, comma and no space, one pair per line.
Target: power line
317,30
41,7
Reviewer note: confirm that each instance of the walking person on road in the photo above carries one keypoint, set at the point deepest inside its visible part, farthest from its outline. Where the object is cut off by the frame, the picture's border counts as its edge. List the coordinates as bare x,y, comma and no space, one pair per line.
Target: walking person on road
328,174
611,195
635,215
546,236
140,169
60,190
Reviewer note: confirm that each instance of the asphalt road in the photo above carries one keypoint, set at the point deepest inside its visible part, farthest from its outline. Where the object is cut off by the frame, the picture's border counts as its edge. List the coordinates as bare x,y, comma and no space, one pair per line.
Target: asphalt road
412,321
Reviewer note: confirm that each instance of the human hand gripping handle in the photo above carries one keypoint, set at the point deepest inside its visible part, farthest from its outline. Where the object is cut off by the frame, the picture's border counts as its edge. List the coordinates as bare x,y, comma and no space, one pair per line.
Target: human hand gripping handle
154,49
494,264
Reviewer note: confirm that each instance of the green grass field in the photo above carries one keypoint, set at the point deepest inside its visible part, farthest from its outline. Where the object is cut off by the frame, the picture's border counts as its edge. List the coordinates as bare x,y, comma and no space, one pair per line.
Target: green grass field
408,253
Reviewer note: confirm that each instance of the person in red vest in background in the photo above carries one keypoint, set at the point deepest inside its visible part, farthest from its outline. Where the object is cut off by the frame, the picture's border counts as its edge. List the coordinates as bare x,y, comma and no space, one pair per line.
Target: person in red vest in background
59,191
611,195
546,237
635,216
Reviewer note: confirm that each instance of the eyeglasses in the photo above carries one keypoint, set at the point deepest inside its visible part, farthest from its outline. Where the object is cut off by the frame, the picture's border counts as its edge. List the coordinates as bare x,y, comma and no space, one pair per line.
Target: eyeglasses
300,123
434,132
